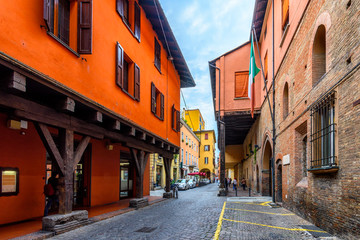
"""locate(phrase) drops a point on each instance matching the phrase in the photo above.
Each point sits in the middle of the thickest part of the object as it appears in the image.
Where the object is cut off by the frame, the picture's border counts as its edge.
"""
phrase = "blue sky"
(204, 30)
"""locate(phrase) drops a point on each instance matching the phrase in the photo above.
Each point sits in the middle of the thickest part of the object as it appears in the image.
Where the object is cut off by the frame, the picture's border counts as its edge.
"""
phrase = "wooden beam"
(16, 81)
(140, 135)
(67, 105)
(115, 125)
(80, 150)
(150, 139)
(167, 165)
(95, 117)
(50, 145)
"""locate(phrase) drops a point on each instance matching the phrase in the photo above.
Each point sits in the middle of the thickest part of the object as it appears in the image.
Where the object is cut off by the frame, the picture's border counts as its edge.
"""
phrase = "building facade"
(75, 91)
(158, 173)
(207, 161)
(189, 150)
(315, 57)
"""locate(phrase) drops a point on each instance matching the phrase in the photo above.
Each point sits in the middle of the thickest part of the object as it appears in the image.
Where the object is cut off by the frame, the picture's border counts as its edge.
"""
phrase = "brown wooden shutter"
(85, 26)
(285, 11)
(137, 21)
(48, 15)
(178, 121)
(153, 98)
(64, 21)
(137, 83)
(241, 84)
(119, 65)
(162, 106)
(120, 7)
(173, 117)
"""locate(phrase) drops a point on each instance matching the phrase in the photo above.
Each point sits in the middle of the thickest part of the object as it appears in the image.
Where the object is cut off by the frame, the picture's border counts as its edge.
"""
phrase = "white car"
(182, 184)
(191, 183)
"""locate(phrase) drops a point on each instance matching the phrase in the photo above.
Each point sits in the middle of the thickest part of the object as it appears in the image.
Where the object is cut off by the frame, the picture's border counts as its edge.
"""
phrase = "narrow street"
(200, 214)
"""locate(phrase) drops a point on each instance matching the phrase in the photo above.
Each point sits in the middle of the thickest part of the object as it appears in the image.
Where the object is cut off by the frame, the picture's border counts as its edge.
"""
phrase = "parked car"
(205, 181)
(191, 183)
(182, 184)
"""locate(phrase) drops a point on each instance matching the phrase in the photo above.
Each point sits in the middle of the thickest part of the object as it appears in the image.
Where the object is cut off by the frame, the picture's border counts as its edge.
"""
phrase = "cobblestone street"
(200, 214)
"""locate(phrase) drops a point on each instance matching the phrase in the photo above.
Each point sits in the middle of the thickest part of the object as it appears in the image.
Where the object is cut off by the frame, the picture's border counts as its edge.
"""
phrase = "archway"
(279, 181)
(266, 189)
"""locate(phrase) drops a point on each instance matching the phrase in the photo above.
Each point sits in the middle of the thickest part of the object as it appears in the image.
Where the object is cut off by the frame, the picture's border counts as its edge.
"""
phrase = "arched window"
(319, 55)
(286, 101)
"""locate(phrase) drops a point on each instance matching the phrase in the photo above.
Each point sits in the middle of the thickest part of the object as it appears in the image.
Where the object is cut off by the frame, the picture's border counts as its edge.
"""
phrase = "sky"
(204, 30)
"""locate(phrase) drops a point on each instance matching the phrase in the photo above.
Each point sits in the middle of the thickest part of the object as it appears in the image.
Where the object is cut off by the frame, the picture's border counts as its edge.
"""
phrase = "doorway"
(279, 182)
(126, 179)
(266, 181)
(257, 179)
(82, 180)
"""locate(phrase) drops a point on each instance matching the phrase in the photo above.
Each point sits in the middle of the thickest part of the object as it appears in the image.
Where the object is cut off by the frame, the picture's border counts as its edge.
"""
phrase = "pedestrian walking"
(234, 184)
(243, 183)
(51, 193)
(226, 184)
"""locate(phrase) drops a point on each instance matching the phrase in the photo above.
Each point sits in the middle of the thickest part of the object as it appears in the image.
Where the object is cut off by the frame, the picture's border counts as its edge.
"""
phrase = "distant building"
(207, 153)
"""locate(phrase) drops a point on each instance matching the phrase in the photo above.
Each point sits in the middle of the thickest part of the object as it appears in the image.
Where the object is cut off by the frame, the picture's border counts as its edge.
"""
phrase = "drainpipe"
(273, 92)
(221, 140)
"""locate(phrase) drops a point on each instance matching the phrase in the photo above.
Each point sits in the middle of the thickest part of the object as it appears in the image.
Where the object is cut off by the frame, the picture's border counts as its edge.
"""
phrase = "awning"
(197, 173)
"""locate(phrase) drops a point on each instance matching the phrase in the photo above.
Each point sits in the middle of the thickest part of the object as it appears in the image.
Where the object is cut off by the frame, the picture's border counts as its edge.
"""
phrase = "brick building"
(317, 111)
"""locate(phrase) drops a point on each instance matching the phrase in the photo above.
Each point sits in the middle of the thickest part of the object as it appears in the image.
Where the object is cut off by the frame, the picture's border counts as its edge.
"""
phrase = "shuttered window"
(241, 84)
(157, 102)
(85, 26)
(157, 60)
(137, 21)
(285, 13)
(120, 7)
(60, 15)
(127, 74)
(266, 65)
(175, 119)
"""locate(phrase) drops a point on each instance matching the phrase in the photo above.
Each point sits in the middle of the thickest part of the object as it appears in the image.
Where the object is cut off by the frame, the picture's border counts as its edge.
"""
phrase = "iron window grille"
(323, 129)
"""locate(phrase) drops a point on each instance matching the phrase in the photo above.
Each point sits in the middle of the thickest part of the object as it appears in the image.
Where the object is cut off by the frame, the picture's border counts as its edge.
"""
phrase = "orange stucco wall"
(94, 76)
(26, 153)
(236, 61)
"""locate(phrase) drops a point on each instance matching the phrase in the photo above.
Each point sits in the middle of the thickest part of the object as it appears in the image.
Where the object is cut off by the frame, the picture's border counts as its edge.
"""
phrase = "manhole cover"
(146, 229)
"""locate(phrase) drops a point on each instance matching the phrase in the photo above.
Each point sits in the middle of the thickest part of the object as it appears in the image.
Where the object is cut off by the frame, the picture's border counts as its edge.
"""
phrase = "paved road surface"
(200, 214)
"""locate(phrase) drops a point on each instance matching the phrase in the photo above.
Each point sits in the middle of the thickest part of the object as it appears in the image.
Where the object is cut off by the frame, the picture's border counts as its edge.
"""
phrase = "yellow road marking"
(280, 214)
(283, 228)
(265, 203)
(259, 204)
(218, 229)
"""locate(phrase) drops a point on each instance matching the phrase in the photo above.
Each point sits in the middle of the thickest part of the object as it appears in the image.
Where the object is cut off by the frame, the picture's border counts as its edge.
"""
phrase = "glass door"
(126, 182)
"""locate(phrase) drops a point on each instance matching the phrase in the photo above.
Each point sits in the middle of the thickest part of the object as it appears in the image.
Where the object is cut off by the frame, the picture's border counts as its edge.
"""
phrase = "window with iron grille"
(323, 130)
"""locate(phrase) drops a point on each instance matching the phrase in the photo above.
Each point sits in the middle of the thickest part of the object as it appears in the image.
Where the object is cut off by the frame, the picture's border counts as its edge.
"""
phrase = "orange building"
(78, 79)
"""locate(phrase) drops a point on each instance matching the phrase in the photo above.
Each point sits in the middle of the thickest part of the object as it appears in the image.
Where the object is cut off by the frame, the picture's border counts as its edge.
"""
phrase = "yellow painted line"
(283, 228)
(280, 214)
(218, 229)
(265, 203)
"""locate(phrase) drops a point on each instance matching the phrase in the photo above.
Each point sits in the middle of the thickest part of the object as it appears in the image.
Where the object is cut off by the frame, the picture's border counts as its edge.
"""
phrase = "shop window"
(157, 60)
(130, 12)
(323, 133)
(127, 74)
(319, 55)
(9, 181)
(175, 119)
(241, 84)
(157, 102)
(59, 19)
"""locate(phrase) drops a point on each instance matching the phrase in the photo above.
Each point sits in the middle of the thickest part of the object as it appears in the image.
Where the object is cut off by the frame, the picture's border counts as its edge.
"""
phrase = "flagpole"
(262, 70)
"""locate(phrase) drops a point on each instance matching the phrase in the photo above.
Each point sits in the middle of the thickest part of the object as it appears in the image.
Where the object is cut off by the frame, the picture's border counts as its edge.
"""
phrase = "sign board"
(286, 159)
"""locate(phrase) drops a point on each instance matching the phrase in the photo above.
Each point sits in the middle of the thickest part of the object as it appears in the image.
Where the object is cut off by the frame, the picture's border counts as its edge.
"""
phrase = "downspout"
(273, 92)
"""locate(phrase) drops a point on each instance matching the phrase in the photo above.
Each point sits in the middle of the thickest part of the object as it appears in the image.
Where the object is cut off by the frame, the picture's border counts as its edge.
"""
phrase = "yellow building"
(207, 153)
(194, 119)
(189, 150)
(157, 171)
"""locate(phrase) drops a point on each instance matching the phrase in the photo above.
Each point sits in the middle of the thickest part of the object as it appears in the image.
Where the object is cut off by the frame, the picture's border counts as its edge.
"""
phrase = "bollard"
(236, 191)
(249, 191)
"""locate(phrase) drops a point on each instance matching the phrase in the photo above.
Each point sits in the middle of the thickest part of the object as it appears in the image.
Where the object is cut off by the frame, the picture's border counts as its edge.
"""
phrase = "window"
(319, 55)
(186, 141)
(186, 158)
(127, 74)
(323, 133)
(207, 148)
(157, 60)
(241, 84)
(9, 181)
(60, 18)
(285, 13)
(130, 13)
(206, 160)
(157, 102)
(175, 119)
(206, 136)
(182, 136)
(286, 101)
(266, 66)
